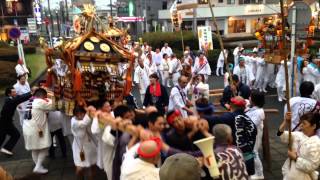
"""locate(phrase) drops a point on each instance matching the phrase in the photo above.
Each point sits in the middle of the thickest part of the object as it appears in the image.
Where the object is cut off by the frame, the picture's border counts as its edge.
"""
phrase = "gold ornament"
(94, 39)
(105, 47)
(88, 46)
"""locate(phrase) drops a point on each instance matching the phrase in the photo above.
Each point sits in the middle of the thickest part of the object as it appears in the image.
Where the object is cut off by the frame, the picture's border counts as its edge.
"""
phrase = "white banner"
(205, 38)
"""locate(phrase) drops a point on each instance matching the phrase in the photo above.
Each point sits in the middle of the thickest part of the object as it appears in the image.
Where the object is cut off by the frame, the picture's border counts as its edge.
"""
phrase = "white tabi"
(83, 141)
(308, 153)
(174, 68)
(312, 74)
(257, 115)
(316, 92)
(141, 77)
(202, 69)
(21, 69)
(166, 50)
(105, 149)
(164, 69)
(37, 123)
(245, 75)
(260, 75)
(300, 106)
(220, 63)
(178, 100)
(22, 89)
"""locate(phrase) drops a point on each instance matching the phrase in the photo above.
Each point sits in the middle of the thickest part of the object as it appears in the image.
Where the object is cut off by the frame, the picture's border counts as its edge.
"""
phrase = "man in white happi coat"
(150, 63)
(244, 73)
(164, 69)
(313, 72)
(157, 58)
(35, 129)
(166, 49)
(141, 77)
(22, 86)
(21, 69)
(303, 104)
(201, 66)
(178, 97)
(174, 69)
(236, 53)
(105, 145)
(220, 63)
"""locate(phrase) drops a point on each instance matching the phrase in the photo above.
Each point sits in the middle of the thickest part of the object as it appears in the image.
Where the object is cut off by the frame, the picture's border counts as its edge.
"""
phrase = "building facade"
(234, 17)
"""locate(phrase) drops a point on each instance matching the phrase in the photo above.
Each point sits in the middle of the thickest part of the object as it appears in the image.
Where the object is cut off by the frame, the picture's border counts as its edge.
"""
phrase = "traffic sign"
(32, 25)
(14, 33)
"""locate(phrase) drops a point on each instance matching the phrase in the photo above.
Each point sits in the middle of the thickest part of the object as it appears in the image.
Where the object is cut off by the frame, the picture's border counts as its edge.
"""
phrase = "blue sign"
(14, 33)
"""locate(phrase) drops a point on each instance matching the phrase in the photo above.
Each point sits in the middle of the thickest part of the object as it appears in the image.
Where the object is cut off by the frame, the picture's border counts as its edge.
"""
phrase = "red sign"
(46, 21)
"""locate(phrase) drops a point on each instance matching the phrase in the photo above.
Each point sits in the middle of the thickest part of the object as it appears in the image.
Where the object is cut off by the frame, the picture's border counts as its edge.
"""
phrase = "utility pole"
(111, 8)
(67, 25)
(51, 18)
(58, 22)
(146, 17)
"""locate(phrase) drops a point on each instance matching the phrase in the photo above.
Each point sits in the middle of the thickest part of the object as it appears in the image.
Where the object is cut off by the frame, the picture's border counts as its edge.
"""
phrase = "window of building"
(236, 26)
(220, 1)
(250, 1)
(230, 1)
(164, 5)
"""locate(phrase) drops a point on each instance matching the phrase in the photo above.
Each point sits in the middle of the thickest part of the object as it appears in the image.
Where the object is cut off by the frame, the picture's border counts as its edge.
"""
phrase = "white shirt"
(175, 66)
(316, 92)
(38, 122)
(257, 115)
(176, 101)
(248, 75)
(312, 74)
(166, 50)
(300, 106)
(141, 77)
(201, 69)
(22, 89)
(308, 161)
(157, 58)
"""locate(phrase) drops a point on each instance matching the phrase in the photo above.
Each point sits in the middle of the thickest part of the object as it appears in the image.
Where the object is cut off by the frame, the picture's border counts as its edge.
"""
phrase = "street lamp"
(58, 22)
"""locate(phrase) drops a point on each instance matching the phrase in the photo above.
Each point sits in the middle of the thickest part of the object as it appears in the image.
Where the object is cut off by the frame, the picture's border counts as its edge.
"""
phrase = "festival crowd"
(153, 139)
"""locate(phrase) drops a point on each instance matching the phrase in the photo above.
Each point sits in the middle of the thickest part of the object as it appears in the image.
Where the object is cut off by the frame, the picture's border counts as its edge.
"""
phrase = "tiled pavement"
(63, 169)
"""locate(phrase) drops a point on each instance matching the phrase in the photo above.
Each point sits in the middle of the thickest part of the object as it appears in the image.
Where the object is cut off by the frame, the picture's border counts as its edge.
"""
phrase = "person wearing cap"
(201, 66)
(313, 72)
(141, 77)
(220, 63)
(144, 166)
(175, 68)
(227, 75)
(21, 69)
(166, 49)
(180, 166)
(281, 81)
(237, 88)
(156, 95)
(244, 73)
(178, 97)
(244, 131)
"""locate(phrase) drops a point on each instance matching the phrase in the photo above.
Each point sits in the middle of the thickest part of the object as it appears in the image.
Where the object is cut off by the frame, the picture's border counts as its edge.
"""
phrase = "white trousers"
(38, 157)
(258, 167)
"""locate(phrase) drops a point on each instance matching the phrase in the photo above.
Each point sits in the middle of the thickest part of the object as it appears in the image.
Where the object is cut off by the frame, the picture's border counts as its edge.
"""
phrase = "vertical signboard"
(205, 38)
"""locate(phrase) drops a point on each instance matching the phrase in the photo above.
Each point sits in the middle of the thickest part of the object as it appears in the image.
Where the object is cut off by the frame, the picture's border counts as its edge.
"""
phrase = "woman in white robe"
(84, 144)
(35, 128)
(256, 114)
(22, 86)
(305, 153)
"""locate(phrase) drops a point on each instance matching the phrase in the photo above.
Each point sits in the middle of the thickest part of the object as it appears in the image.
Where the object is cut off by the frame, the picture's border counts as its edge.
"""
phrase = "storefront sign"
(37, 11)
(205, 38)
(32, 25)
(130, 19)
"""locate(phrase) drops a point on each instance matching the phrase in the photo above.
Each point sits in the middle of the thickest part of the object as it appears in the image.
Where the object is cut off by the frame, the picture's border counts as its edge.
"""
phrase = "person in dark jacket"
(12, 100)
(156, 95)
(235, 89)
(244, 131)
